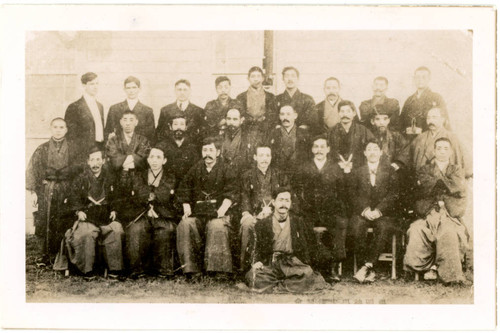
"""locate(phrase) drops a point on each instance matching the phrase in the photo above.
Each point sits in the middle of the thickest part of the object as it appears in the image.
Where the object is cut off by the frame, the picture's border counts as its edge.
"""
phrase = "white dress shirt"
(372, 167)
(183, 105)
(94, 110)
(319, 164)
(442, 165)
(132, 103)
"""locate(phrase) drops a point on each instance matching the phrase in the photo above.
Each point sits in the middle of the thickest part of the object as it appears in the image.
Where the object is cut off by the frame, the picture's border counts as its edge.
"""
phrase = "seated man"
(373, 191)
(206, 194)
(151, 235)
(320, 189)
(284, 249)
(437, 242)
(258, 185)
(92, 199)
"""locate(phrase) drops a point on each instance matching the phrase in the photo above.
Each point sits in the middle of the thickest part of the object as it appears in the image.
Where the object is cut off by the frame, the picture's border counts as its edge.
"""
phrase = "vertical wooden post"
(268, 60)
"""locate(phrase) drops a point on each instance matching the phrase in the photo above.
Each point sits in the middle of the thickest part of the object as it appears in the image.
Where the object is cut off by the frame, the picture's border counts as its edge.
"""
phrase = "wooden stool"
(386, 256)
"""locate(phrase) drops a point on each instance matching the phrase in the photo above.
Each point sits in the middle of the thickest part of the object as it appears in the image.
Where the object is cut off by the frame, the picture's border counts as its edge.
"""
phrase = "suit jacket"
(251, 201)
(81, 126)
(194, 117)
(303, 244)
(302, 103)
(393, 144)
(302, 148)
(271, 113)
(359, 135)
(321, 193)
(146, 126)
(448, 186)
(382, 196)
(117, 150)
(390, 104)
(179, 159)
(417, 108)
(214, 113)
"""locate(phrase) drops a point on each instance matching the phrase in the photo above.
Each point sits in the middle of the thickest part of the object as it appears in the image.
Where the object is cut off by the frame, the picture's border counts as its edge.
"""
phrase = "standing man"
(215, 111)
(259, 106)
(326, 113)
(438, 240)
(390, 105)
(206, 194)
(321, 192)
(302, 103)
(145, 116)
(92, 199)
(50, 171)
(181, 153)
(194, 114)
(258, 185)
(284, 250)
(414, 113)
(347, 138)
(289, 142)
(373, 192)
(85, 117)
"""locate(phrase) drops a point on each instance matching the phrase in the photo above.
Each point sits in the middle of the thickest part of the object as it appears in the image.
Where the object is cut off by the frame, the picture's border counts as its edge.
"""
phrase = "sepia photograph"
(264, 165)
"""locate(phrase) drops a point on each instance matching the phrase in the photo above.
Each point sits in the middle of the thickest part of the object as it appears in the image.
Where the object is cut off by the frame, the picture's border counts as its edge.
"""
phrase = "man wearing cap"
(85, 117)
(145, 117)
(390, 105)
(302, 103)
(215, 111)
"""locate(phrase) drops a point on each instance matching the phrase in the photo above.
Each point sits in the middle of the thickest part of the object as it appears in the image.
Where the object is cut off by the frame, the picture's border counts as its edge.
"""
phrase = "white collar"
(89, 98)
(442, 165)
(319, 164)
(373, 166)
(183, 105)
(132, 103)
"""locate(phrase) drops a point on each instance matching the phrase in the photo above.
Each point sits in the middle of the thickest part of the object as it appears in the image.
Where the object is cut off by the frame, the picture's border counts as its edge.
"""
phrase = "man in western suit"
(146, 125)
(85, 117)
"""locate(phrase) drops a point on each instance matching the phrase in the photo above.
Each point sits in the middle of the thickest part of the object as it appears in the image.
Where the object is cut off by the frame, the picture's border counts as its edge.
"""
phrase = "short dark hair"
(331, 78)
(211, 140)
(57, 119)
(290, 105)
(132, 79)
(345, 102)
(423, 68)
(95, 149)
(255, 69)
(183, 81)
(381, 78)
(370, 141)
(442, 139)
(321, 137)
(159, 147)
(127, 113)
(221, 79)
(290, 68)
(262, 145)
(177, 115)
(87, 77)
(281, 189)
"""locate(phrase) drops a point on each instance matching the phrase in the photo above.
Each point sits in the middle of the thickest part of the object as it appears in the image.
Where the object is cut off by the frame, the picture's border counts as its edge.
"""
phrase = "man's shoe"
(430, 275)
(335, 276)
(362, 274)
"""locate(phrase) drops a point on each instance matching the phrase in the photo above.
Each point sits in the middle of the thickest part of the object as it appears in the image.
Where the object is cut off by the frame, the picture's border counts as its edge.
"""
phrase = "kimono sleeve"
(245, 193)
(184, 191)
(141, 153)
(116, 158)
(34, 172)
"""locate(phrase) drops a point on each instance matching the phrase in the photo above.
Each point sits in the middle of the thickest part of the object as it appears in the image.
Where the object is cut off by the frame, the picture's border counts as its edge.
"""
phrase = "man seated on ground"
(284, 249)
(92, 198)
(373, 191)
(320, 188)
(258, 185)
(437, 242)
(151, 235)
(206, 194)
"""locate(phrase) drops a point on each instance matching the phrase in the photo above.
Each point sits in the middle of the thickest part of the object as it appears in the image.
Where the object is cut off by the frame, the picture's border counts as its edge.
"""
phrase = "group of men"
(261, 188)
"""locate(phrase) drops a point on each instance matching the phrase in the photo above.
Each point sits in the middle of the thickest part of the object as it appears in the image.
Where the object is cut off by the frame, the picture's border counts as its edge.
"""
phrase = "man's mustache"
(332, 95)
(345, 118)
(208, 158)
(286, 121)
(285, 207)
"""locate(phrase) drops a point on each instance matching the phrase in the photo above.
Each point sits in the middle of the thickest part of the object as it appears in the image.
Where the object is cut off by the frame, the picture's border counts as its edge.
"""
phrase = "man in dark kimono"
(348, 138)
(215, 111)
(85, 117)
(127, 150)
(180, 151)
(50, 171)
(326, 113)
(302, 103)
(373, 190)
(258, 185)
(412, 120)
(380, 100)
(284, 249)
(206, 194)
(438, 240)
(92, 199)
(237, 145)
(193, 113)
(151, 234)
(145, 116)
(320, 188)
(259, 106)
(289, 142)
